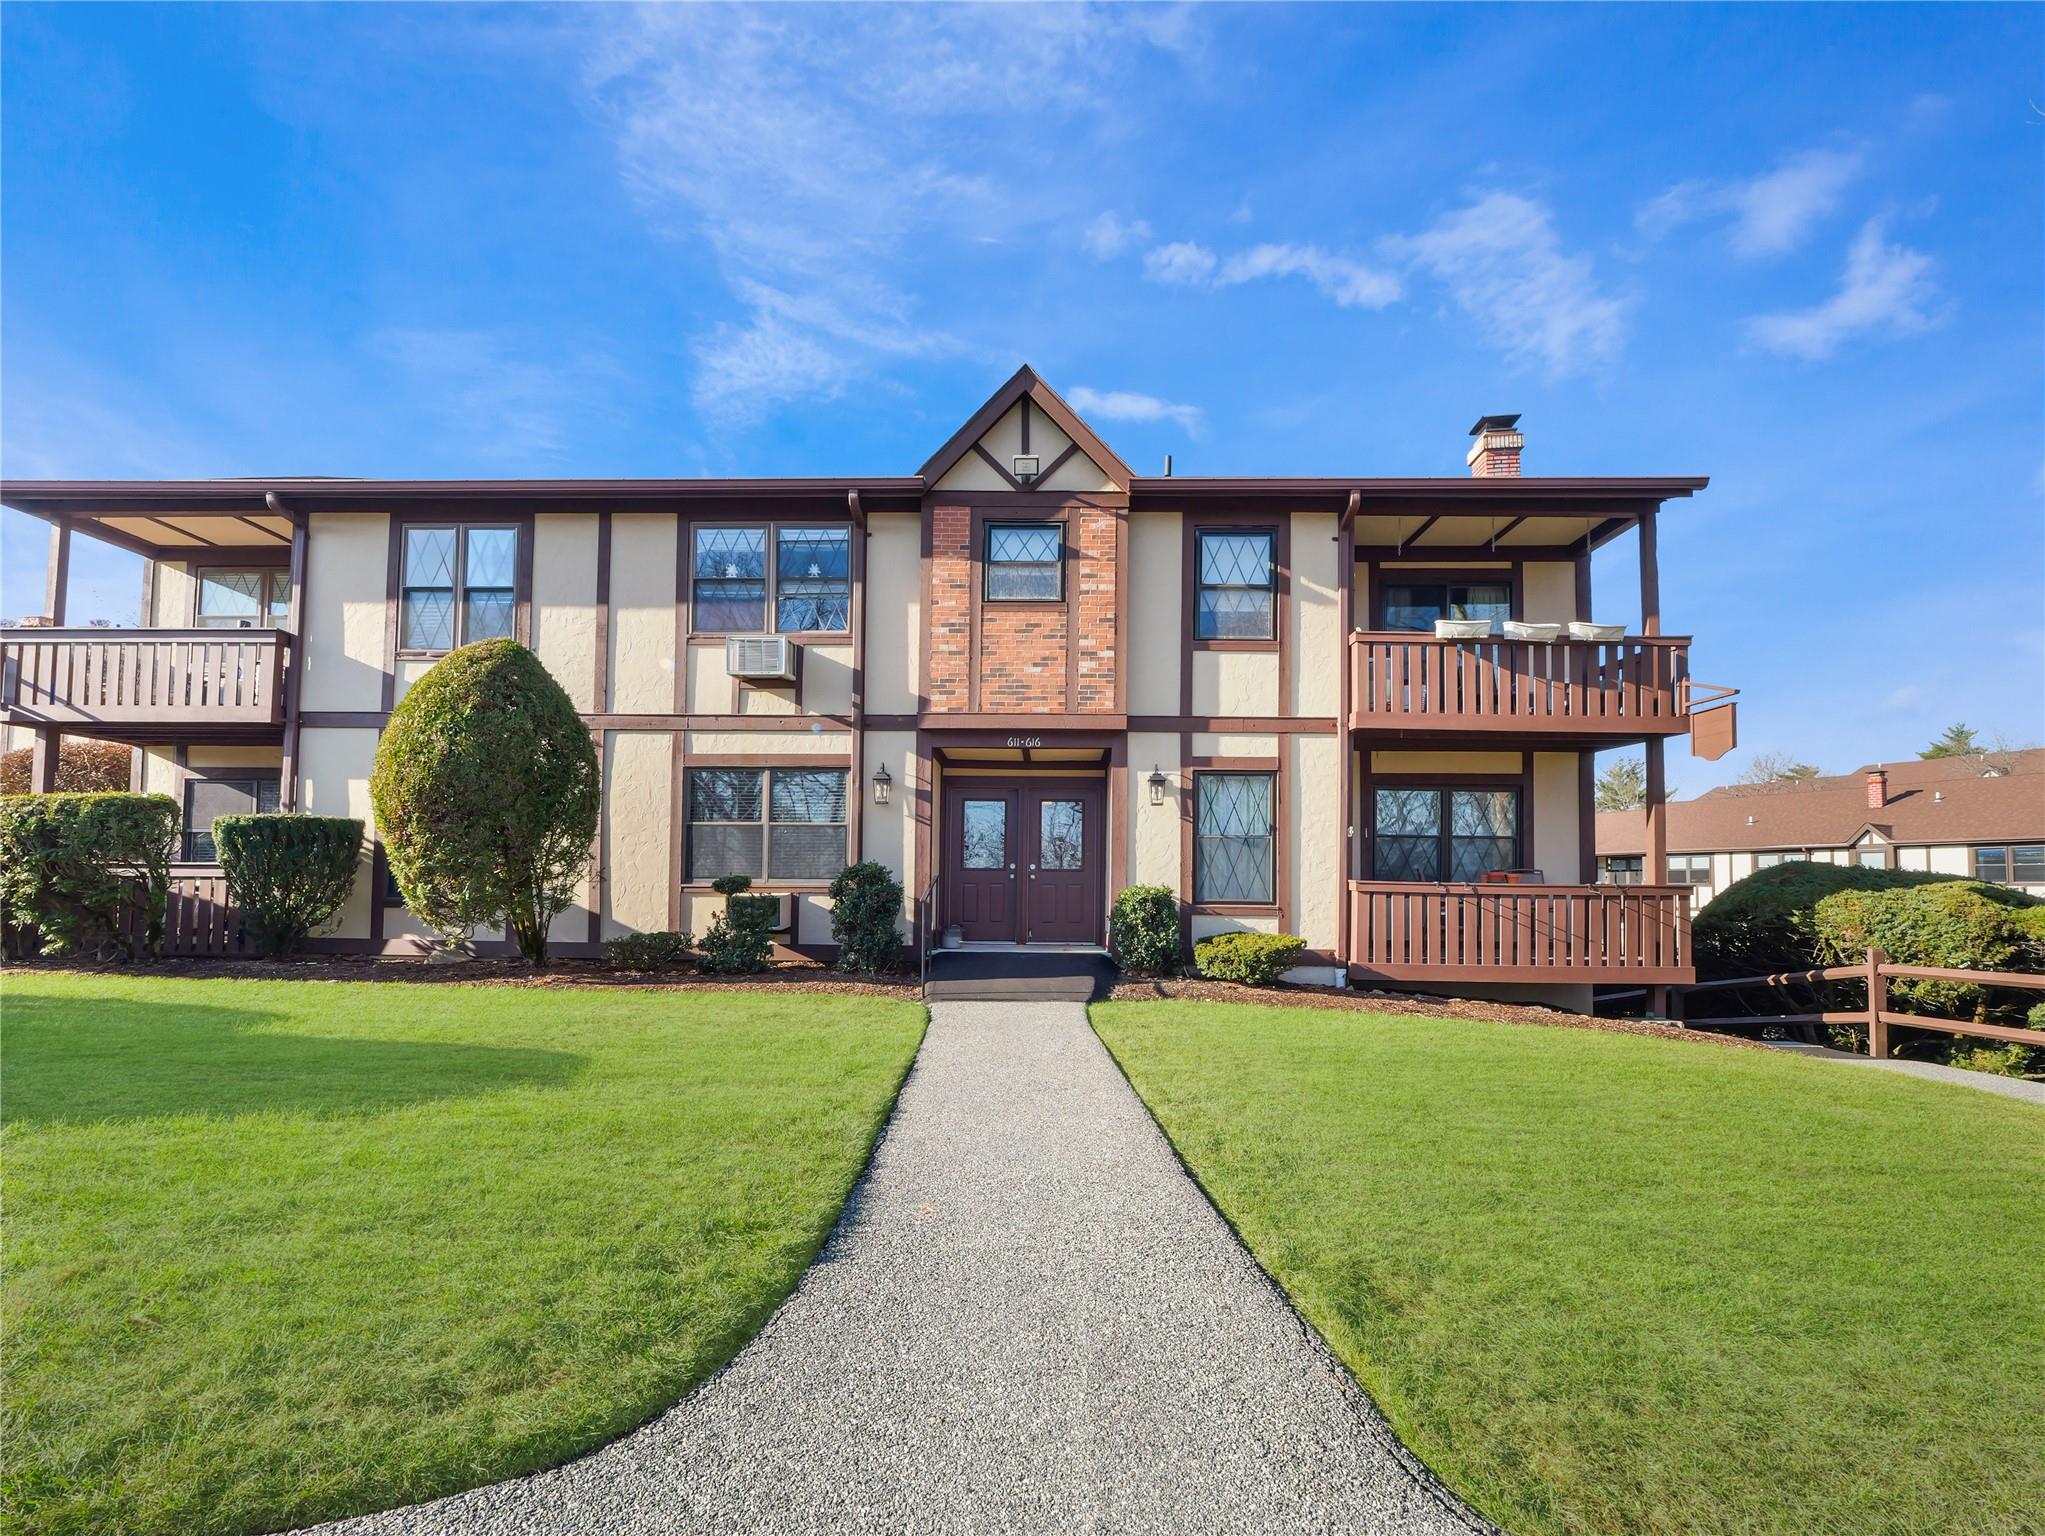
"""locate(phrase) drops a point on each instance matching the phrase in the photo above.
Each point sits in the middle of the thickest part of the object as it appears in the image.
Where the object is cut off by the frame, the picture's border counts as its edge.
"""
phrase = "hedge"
(84, 767)
(650, 951)
(1767, 922)
(88, 873)
(866, 902)
(1255, 959)
(288, 874)
(1143, 926)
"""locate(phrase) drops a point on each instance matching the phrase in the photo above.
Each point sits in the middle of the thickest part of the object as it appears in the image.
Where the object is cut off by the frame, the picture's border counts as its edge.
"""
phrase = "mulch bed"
(1357, 1000)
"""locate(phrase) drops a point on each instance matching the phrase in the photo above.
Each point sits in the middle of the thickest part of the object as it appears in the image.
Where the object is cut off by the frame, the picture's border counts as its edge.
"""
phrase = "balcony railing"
(1630, 687)
(1558, 933)
(126, 679)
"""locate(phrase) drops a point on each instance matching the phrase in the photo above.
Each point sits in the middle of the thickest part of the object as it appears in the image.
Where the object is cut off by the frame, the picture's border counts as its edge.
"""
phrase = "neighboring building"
(1022, 677)
(1982, 816)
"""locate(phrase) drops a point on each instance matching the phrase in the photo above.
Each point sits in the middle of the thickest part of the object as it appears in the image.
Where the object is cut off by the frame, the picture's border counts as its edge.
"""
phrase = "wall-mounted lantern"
(882, 783)
(1157, 782)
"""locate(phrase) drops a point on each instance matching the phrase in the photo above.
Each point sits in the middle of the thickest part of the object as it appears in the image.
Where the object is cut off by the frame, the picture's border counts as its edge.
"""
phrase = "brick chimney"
(1496, 450)
(1877, 789)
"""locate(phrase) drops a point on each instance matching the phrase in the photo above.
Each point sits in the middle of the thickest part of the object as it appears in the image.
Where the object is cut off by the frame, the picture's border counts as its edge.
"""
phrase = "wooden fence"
(1876, 1016)
(1421, 931)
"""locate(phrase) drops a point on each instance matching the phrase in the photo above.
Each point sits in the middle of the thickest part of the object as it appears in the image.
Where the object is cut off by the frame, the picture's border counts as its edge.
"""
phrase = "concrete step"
(1018, 975)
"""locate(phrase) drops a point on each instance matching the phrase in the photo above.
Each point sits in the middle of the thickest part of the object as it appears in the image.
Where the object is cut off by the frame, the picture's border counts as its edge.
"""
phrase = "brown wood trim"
(344, 719)
(603, 821)
(294, 673)
(1650, 577)
(525, 533)
(855, 809)
(379, 882)
(677, 777)
(1060, 725)
(995, 464)
(1345, 605)
(1582, 566)
(600, 690)
(768, 760)
(920, 772)
(393, 576)
(1587, 818)
(1119, 815)
(1450, 554)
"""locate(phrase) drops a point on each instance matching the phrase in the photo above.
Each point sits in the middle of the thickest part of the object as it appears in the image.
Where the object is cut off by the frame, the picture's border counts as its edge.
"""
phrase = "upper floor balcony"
(142, 685)
(1601, 691)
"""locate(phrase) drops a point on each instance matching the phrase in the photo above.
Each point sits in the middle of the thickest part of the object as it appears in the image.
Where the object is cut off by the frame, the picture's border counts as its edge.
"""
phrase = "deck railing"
(1630, 686)
(1559, 933)
(127, 677)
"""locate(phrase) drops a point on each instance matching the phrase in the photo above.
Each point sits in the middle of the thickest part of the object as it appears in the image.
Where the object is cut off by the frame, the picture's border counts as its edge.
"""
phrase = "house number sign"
(1025, 741)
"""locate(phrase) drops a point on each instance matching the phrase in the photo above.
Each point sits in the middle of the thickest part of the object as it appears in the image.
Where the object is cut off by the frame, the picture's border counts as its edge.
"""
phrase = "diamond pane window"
(1025, 563)
(812, 580)
(488, 555)
(481, 563)
(243, 599)
(1238, 598)
(1232, 837)
(429, 589)
(730, 586)
(1445, 834)
(1408, 834)
(1061, 834)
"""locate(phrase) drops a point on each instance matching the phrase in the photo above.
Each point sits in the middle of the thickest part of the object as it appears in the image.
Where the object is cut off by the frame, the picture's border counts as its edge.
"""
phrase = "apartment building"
(1022, 676)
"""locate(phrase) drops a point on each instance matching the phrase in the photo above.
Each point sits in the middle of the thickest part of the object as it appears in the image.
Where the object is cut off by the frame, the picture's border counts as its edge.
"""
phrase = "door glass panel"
(1061, 834)
(986, 834)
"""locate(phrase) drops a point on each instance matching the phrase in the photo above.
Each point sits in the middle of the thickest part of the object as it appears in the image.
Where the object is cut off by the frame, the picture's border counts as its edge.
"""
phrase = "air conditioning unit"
(768, 659)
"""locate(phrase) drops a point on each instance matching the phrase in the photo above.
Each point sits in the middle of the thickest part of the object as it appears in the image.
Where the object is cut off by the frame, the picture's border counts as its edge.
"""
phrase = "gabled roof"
(1025, 383)
(1929, 801)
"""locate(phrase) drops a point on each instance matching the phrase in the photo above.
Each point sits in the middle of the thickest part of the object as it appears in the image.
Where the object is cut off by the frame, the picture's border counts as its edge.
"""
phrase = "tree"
(486, 795)
(1623, 786)
(1957, 741)
(1776, 768)
(84, 767)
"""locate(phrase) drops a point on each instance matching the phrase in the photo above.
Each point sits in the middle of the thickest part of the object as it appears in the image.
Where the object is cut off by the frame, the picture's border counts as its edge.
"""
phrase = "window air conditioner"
(760, 658)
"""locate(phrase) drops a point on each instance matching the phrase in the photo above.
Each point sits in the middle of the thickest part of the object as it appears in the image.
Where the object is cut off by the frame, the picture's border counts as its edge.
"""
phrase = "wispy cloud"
(1771, 213)
(1505, 267)
(816, 178)
(1886, 291)
(1126, 405)
(1349, 283)
(1109, 235)
(496, 400)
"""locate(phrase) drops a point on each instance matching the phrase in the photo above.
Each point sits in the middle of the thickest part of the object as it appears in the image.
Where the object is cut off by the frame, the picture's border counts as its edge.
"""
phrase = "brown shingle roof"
(1939, 800)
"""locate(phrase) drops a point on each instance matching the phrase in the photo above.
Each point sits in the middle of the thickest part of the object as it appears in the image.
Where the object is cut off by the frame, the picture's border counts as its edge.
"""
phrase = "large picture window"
(1025, 563)
(1233, 843)
(458, 586)
(776, 824)
(1445, 834)
(1238, 592)
(258, 599)
(807, 586)
(2018, 864)
(206, 800)
(1415, 605)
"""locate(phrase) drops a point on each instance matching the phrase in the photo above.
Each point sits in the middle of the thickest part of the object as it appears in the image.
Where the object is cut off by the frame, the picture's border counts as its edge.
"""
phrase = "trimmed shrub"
(866, 902)
(650, 951)
(84, 767)
(1143, 927)
(88, 873)
(1255, 959)
(1768, 922)
(486, 794)
(741, 937)
(288, 874)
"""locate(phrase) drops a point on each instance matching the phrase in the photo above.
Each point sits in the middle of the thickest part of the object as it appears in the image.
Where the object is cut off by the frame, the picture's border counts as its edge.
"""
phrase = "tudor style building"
(1022, 677)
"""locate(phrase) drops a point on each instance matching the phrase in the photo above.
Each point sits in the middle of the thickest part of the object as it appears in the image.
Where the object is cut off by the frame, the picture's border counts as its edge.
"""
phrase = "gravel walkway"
(1932, 1071)
(1029, 1319)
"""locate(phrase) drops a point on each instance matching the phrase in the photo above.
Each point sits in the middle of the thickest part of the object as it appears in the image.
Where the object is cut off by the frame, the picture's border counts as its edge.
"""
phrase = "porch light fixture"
(882, 783)
(1157, 786)
(1025, 466)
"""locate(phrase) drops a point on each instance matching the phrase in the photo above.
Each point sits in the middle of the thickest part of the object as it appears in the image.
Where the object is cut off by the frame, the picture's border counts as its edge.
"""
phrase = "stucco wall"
(1235, 683)
(333, 780)
(638, 827)
(894, 612)
(564, 602)
(1316, 619)
(642, 633)
(1156, 576)
(1550, 596)
(1153, 829)
(347, 560)
(1554, 848)
(1315, 863)
(765, 744)
(1445, 762)
(887, 833)
(171, 597)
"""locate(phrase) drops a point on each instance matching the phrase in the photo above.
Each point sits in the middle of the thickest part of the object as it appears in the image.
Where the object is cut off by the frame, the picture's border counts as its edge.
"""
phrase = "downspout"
(1345, 539)
(294, 668)
(855, 789)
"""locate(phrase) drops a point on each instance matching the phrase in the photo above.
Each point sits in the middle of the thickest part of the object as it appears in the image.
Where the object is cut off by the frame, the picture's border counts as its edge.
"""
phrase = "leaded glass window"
(243, 599)
(1025, 562)
(780, 824)
(1442, 834)
(480, 564)
(1238, 598)
(730, 588)
(1232, 837)
(1483, 832)
(1408, 834)
(812, 580)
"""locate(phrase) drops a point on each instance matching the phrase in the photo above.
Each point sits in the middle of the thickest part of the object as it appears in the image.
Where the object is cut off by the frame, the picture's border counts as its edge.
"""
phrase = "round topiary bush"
(1143, 926)
(288, 874)
(1254, 959)
(84, 767)
(486, 793)
(866, 901)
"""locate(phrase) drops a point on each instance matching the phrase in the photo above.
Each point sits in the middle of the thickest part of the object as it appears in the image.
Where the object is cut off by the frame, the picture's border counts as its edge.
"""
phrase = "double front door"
(1023, 860)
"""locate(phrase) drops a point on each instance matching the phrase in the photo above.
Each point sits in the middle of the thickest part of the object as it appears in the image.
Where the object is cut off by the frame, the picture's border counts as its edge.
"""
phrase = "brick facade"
(951, 607)
(1093, 588)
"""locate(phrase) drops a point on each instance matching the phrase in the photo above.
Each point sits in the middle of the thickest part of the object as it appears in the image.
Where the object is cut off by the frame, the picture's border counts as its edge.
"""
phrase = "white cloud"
(1771, 213)
(1125, 405)
(1351, 284)
(1108, 236)
(494, 399)
(1505, 267)
(1886, 290)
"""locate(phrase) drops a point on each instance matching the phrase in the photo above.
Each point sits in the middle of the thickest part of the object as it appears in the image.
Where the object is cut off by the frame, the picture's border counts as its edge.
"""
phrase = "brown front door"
(1024, 860)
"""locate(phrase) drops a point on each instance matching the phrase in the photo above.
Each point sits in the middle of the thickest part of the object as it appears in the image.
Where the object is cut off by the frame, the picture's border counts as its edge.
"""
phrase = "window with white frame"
(806, 586)
(255, 599)
(1770, 860)
(776, 824)
(1236, 574)
(2011, 864)
(1689, 869)
(1871, 856)
(1234, 847)
(458, 585)
(1025, 563)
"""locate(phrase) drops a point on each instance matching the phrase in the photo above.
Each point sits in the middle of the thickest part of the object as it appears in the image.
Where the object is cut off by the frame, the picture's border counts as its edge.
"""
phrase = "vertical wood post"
(1877, 1004)
(1658, 1001)
(1656, 869)
(1675, 1011)
(1650, 577)
(57, 582)
(42, 764)
(294, 665)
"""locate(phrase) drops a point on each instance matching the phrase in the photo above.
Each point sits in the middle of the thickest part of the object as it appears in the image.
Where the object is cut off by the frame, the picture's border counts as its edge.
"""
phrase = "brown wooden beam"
(57, 580)
(1650, 578)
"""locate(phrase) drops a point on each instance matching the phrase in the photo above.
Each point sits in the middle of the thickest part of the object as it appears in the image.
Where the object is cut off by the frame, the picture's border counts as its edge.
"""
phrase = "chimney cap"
(1495, 424)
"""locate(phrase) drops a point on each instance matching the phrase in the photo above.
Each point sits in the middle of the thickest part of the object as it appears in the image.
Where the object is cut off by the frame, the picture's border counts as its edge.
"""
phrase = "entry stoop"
(1019, 975)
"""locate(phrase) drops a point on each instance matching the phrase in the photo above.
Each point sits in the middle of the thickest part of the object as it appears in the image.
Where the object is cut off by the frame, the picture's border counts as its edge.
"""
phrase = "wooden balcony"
(1604, 691)
(1520, 933)
(145, 685)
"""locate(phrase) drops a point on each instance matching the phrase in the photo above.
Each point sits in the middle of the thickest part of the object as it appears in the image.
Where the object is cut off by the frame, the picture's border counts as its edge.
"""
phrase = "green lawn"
(277, 1251)
(1610, 1284)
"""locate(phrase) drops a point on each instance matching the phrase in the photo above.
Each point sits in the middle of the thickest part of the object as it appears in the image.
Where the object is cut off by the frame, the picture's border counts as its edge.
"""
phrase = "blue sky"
(1799, 250)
